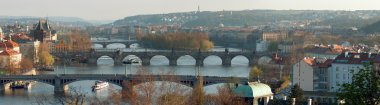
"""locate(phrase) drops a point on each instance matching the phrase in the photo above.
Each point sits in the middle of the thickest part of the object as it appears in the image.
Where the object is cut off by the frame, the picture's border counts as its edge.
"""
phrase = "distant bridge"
(104, 43)
(61, 81)
(172, 55)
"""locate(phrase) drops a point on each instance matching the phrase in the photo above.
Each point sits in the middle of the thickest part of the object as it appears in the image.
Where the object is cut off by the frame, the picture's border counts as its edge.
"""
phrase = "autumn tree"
(44, 56)
(190, 41)
(284, 83)
(364, 89)
(79, 41)
(254, 73)
(198, 94)
(225, 96)
(26, 63)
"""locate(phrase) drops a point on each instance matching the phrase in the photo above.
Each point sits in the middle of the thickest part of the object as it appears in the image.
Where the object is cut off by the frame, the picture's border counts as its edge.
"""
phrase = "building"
(329, 52)
(346, 65)
(254, 92)
(312, 74)
(261, 46)
(10, 58)
(275, 35)
(43, 32)
(30, 49)
(1, 33)
(61, 46)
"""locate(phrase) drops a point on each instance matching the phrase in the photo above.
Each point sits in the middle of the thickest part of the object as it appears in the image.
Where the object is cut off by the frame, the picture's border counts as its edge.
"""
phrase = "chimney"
(346, 54)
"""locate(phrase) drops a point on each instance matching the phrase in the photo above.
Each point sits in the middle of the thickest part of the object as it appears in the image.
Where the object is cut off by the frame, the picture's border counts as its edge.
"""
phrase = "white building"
(10, 58)
(345, 66)
(261, 46)
(254, 93)
(30, 49)
(311, 74)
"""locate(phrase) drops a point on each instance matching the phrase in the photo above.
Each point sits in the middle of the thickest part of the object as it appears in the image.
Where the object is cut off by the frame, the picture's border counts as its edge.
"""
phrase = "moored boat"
(99, 85)
(20, 85)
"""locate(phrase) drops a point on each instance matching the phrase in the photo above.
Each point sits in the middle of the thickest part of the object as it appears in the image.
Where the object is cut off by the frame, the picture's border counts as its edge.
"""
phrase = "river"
(212, 67)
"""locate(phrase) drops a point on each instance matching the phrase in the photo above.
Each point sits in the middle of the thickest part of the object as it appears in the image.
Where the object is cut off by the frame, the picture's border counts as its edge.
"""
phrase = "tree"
(273, 46)
(45, 58)
(297, 92)
(364, 89)
(198, 94)
(26, 63)
(254, 73)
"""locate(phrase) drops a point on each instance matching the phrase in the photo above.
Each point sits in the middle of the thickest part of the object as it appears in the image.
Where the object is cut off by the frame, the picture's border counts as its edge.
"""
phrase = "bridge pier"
(2, 88)
(92, 61)
(118, 62)
(104, 45)
(226, 61)
(172, 62)
(251, 62)
(199, 63)
(59, 88)
(145, 61)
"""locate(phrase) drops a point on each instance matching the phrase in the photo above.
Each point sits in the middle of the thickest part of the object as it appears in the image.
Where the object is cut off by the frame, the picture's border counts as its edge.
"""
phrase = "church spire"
(47, 24)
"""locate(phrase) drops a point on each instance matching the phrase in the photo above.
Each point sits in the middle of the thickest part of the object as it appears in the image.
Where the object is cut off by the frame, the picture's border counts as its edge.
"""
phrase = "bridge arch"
(112, 81)
(45, 81)
(96, 45)
(159, 60)
(181, 84)
(116, 45)
(106, 60)
(186, 60)
(135, 57)
(212, 60)
(240, 60)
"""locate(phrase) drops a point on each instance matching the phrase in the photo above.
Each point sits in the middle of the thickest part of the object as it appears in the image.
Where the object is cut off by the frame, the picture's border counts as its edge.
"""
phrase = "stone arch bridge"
(172, 56)
(61, 81)
(104, 43)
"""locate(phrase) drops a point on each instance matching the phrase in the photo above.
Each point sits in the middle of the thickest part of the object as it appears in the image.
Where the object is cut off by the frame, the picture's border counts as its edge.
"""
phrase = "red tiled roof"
(11, 44)
(355, 58)
(9, 52)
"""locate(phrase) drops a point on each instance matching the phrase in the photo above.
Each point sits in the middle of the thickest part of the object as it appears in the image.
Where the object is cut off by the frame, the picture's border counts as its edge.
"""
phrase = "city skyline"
(118, 9)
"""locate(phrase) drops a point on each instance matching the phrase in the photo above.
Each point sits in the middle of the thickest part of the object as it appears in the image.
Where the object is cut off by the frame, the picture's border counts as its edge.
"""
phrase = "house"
(311, 74)
(10, 58)
(346, 65)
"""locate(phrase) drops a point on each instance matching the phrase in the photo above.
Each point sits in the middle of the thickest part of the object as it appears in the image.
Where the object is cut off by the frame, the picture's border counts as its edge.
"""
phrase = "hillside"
(372, 28)
(339, 19)
(74, 21)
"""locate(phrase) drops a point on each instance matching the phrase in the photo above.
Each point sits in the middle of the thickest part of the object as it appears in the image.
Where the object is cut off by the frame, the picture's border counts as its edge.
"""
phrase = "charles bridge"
(61, 81)
(172, 55)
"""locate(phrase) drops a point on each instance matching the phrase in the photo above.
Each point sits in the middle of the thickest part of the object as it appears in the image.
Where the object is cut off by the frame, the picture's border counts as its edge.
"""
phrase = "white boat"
(99, 85)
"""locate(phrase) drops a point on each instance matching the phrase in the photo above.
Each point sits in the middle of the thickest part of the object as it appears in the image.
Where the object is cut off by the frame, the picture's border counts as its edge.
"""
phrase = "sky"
(118, 9)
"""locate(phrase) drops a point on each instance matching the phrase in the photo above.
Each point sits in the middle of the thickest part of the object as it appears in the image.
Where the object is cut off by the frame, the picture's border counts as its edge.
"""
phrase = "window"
(337, 69)
(337, 76)
(344, 76)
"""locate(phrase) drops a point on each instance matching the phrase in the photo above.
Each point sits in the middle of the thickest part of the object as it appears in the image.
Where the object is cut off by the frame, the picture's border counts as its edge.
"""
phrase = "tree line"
(188, 41)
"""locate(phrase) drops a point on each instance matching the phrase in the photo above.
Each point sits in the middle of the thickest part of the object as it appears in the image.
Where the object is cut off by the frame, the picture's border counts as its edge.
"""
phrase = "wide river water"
(212, 67)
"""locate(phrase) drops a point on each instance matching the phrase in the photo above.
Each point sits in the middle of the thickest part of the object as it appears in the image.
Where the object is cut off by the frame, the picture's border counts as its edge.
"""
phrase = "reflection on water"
(212, 67)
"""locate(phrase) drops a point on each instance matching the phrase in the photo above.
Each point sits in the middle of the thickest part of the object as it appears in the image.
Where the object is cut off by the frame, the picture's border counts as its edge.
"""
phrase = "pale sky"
(117, 9)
